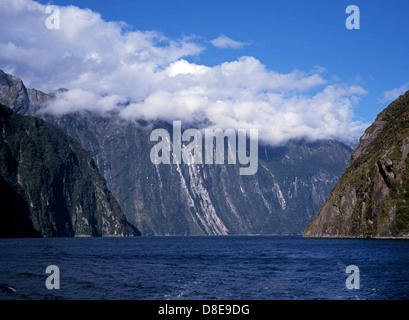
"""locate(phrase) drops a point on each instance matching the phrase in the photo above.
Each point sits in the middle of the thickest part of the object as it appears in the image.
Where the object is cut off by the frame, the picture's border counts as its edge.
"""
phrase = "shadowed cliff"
(49, 186)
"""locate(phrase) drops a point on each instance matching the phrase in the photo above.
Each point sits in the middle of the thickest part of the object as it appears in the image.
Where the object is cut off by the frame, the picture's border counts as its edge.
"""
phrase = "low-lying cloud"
(106, 65)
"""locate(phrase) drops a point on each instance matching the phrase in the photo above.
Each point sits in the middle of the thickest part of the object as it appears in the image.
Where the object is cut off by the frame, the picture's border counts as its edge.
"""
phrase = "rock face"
(49, 186)
(291, 184)
(372, 197)
(15, 95)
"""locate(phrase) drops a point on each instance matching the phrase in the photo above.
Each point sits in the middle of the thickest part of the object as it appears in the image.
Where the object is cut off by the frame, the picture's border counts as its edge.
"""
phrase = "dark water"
(238, 267)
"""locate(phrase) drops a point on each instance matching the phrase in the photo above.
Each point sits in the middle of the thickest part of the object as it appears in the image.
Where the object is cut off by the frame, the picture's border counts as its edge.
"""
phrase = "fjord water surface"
(204, 267)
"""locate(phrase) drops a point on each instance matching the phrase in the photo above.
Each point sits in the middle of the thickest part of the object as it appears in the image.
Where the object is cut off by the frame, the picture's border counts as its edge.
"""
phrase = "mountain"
(49, 186)
(291, 184)
(371, 200)
(15, 95)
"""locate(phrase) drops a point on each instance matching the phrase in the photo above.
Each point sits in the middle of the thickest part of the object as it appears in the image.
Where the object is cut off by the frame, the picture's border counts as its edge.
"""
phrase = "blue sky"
(286, 35)
(290, 68)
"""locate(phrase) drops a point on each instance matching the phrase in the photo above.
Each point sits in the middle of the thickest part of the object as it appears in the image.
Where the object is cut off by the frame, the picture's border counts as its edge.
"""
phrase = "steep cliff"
(372, 197)
(291, 183)
(15, 95)
(49, 186)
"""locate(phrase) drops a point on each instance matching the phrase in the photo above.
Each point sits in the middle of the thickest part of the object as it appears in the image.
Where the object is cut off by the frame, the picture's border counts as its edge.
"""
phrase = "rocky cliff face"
(372, 197)
(15, 95)
(49, 186)
(291, 184)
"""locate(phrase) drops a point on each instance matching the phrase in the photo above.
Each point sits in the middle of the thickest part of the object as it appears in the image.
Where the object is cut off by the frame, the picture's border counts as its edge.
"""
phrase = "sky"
(290, 68)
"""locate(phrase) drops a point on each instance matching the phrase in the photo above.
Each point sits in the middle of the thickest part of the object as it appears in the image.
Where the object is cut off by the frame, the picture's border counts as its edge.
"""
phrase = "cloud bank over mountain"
(108, 64)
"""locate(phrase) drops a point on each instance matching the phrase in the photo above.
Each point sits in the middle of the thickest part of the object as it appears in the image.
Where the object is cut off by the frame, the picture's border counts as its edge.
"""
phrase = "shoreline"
(358, 237)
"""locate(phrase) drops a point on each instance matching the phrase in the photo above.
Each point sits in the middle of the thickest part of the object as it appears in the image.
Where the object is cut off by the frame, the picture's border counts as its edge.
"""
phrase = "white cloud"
(393, 94)
(184, 67)
(104, 66)
(223, 42)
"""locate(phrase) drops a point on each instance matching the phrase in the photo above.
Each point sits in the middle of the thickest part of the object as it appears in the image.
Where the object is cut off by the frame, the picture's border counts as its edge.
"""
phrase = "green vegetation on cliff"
(49, 186)
(372, 197)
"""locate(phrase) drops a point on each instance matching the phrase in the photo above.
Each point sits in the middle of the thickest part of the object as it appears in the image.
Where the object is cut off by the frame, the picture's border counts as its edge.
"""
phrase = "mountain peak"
(23, 100)
(13, 93)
